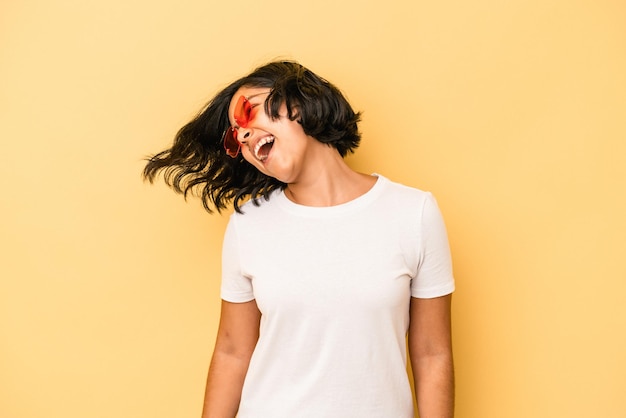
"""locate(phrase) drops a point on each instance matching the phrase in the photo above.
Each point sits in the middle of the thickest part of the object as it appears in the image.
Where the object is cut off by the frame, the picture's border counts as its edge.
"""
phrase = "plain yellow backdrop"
(512, 113)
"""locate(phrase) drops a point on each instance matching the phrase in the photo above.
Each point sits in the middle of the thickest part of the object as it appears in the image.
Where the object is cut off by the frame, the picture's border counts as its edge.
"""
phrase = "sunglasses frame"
(243, 116)
(243, 111)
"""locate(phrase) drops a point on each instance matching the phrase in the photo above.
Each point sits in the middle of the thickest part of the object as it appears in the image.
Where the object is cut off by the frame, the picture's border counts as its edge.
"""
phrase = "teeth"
(262, 141)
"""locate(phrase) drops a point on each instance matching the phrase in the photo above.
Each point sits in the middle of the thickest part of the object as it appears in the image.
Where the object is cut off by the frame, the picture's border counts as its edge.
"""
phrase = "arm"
(237, 336)
(430, 347)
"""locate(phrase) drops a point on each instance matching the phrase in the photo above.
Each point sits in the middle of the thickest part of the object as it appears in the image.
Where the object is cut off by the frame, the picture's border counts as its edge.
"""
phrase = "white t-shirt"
(333, 285)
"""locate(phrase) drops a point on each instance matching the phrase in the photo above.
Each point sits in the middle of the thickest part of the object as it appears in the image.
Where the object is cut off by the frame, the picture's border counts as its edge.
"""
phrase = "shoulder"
(401, 194)
(258, 212)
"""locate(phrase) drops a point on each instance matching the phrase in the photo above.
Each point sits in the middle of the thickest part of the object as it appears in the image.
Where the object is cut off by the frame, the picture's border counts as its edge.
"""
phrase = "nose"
(243, 134)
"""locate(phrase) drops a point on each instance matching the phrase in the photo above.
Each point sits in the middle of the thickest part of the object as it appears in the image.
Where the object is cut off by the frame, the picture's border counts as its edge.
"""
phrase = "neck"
(332, 184)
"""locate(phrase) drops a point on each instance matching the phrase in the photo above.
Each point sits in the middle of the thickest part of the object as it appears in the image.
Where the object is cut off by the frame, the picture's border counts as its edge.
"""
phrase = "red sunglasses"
(243, 116)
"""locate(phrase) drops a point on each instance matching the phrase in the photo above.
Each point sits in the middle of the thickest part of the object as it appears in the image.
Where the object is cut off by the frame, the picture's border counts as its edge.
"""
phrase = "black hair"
(197, 161)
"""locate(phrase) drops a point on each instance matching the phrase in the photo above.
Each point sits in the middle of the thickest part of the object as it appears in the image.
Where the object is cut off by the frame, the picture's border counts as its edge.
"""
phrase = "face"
(278, 148)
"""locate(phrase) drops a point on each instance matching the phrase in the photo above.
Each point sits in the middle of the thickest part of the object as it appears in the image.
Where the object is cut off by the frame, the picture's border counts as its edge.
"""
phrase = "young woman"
(325, 270)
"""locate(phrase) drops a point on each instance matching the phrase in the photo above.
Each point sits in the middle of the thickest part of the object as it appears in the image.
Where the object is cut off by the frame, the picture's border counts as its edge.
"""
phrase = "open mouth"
(263, 148)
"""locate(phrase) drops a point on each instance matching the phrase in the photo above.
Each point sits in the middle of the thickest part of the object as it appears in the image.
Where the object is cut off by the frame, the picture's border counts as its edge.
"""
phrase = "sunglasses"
(243, 116)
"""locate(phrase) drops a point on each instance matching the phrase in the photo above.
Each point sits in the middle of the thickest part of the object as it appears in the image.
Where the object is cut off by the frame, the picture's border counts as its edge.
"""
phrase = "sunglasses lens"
(243, 111)
(231, 144)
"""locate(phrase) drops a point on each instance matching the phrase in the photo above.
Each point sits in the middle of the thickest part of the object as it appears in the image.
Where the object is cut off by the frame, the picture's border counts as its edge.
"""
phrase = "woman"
(324, 270)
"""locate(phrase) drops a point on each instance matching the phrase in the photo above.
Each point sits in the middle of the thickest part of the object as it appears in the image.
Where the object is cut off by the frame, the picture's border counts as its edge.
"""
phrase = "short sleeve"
(235, 286)
(434, 277)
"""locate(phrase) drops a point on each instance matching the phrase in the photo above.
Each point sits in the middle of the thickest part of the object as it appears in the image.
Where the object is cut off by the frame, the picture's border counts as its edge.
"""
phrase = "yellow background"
(512, 113)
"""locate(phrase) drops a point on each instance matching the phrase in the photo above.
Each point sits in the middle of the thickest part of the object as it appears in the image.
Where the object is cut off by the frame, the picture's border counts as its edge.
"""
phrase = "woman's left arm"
(430, 347)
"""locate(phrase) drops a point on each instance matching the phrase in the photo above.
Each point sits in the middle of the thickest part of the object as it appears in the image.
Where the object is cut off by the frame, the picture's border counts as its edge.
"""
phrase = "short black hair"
(197, 161)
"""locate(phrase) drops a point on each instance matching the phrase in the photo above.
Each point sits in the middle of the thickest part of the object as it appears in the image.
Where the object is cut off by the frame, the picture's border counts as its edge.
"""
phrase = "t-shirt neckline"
(326, 211)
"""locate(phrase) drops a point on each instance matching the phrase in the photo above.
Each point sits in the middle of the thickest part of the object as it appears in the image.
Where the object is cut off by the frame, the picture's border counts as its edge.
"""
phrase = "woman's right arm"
(237, 336)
